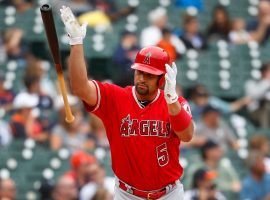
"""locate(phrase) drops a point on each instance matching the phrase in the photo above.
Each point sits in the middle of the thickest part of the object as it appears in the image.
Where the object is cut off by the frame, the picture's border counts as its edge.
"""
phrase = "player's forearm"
(77, 69)
(185, 133)
(174, 108)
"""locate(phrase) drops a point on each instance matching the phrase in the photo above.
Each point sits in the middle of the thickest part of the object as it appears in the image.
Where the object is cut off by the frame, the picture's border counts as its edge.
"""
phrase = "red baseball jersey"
(144, 148)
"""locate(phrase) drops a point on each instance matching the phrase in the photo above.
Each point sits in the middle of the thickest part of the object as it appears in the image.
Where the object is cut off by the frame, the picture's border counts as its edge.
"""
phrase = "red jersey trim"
(135, 97)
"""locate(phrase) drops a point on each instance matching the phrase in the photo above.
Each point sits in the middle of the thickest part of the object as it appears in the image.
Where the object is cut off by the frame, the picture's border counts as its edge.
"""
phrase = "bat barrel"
(48, 21)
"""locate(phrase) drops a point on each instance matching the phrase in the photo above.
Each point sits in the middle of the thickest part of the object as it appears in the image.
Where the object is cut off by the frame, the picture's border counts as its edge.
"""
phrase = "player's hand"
(75, 31)
(170, 84)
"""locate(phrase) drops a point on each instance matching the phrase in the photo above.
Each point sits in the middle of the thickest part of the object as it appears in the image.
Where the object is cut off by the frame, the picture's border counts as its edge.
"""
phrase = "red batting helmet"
(151, 60)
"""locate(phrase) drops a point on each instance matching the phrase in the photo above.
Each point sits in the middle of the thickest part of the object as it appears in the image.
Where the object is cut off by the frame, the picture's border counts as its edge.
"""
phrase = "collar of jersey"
(137, 101)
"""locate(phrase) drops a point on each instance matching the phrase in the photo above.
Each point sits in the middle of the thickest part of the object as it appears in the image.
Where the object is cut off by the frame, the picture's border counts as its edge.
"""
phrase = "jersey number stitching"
(162, 154)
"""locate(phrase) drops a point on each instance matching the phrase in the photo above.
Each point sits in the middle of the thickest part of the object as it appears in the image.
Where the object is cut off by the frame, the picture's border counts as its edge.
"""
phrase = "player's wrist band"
(180, 121)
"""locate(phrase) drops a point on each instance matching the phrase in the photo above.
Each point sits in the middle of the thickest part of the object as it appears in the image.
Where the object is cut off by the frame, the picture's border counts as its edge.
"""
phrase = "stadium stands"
(223, 68)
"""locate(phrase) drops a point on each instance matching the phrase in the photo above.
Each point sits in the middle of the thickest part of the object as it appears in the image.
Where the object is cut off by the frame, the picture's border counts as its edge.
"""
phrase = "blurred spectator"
(5, 134)
(220, 27)
(191, 36)
(212, 127)
(227, 179)
(98, 132)
(7, 189)
(83, 168)
(239, 34)
(256, 183)
(104, 12)
(260, 27)
(123, 57)
(152, 34)
(111, 9)
(102, 194)
(261, 143)
(13, 44)
(45, 102)
(6, 96)
(165, 43)
(40, 68)
(46, 189)
(200, 97)
(73, 136)
(77, 6)
(259, 91)
(199, 4)
(203, 187)
(65, 189)
(3, 55)
(23, 5)
(32, 84)
(100, 182)
(23, 122)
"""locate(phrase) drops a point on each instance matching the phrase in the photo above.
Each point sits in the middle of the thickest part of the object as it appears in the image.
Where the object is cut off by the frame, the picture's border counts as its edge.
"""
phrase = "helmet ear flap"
(161, 81)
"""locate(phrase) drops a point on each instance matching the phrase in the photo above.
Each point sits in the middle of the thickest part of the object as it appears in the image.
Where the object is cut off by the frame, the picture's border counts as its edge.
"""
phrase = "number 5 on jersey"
(162, 154)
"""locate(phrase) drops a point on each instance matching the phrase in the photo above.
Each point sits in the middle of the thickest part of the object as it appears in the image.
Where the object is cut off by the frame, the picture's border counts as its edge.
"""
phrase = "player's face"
(145, 83)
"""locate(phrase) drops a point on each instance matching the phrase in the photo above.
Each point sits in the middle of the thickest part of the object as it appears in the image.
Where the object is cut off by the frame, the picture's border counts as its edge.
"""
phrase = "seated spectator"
(6, 96)
(203, 186)
(78, 6)
(227, 179)
(260, 27)
(22, 5)
(104, 12)
(102, 194)
(212, 127)
(256, 183)
(152, 34)
(83, 168)
(238, 34)
(261, 143)
(259, 92)
(73, 136)
(123, 57)
(220, 27)
(98, 132)
(65, 189)
(191, 36)
(14, 47)
(3, 55)
(40, 69)
(5, 134)
(23, 123)
(7, 189)
(199, 4)
(32, 84)
(100, 182)
(200, 97)
(174, 51)
(110, 8)
(46, 189)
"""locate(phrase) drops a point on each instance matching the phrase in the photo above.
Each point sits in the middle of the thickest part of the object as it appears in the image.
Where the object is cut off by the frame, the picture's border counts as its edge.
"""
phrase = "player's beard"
(142, 90)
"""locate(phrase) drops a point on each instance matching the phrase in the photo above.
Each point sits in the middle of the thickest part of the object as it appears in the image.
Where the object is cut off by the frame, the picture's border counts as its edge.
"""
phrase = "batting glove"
(170, 84)
(75, 32)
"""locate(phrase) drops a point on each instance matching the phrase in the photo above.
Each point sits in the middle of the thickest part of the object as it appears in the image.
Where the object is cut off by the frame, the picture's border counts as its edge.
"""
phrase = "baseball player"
(144, 124)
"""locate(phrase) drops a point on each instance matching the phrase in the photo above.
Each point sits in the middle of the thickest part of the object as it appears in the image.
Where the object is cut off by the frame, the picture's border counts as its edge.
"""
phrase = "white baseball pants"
(176, 193)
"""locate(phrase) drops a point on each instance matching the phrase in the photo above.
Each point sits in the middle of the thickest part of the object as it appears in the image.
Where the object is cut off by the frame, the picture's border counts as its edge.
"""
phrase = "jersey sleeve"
(106, 100)
(184, 103)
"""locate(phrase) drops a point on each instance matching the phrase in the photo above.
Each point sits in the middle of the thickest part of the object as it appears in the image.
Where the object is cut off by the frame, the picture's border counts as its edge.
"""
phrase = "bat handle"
(69, 116)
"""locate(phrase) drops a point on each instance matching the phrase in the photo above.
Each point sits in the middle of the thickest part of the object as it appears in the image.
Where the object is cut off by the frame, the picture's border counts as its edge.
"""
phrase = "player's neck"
(149, 97)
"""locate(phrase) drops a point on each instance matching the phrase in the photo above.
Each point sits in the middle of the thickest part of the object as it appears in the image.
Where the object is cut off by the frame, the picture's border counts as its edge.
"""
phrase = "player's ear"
(161, 81)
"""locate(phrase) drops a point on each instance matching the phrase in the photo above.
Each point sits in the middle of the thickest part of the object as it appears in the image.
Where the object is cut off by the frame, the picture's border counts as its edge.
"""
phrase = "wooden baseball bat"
(47, 18)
